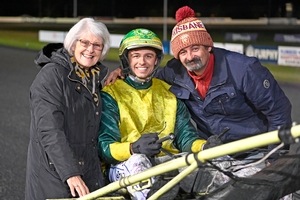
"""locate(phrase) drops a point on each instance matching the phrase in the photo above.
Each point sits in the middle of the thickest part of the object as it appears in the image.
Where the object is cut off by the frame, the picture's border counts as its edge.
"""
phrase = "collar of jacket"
(182, 77)
(220, 74)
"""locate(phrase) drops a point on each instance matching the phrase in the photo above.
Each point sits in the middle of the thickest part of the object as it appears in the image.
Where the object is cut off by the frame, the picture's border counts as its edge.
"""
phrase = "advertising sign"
(230, 46)
(294, 38)
(241, 36)
(52, 36)
(263, 53)
(289, 56)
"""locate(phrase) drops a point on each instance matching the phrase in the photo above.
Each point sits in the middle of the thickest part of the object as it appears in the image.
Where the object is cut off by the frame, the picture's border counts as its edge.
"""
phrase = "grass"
(22, 39)
(29, 40)
(285, 73)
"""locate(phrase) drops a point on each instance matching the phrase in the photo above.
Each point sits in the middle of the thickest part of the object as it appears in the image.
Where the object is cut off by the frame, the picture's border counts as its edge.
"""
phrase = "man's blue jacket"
(243, 95)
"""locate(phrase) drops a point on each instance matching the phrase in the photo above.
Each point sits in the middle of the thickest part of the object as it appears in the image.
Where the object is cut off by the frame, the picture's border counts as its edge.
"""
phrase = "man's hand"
(215, 140)
(112, 77)
(147, 144)
(212, 141)
(77, 184)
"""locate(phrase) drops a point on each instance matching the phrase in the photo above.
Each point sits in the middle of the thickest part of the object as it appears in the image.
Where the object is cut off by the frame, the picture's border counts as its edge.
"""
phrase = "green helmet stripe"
(140, 38)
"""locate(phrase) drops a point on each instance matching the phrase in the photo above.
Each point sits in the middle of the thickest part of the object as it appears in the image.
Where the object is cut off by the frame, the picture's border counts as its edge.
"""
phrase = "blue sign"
(263, 53)
(166, 46)
(241, 36)
(287, 38)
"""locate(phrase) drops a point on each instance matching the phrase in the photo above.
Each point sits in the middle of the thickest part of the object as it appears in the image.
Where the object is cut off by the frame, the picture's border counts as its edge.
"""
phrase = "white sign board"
(115, 40)
(52, 36)
(230, 46)
(289, 56)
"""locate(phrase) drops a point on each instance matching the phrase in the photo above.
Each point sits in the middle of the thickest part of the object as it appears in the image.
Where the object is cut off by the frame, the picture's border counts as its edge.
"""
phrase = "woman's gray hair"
(88, 25)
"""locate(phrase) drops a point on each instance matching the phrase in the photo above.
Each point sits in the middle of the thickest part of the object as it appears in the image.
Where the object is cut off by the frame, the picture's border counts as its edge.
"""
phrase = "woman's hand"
(76, 184)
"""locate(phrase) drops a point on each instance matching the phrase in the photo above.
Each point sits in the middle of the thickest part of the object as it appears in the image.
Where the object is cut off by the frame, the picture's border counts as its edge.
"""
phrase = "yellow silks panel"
(150, 110)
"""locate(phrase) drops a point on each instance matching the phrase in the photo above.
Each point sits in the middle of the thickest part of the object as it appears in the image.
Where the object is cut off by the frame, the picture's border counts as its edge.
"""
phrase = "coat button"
(81, 162)
(97, 113)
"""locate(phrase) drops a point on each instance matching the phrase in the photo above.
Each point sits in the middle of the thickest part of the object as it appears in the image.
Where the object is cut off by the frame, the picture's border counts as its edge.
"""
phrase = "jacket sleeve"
(265, 94)
(47, 107)
(263, 91)
(186, 136)
(111, 149)
(167, 73)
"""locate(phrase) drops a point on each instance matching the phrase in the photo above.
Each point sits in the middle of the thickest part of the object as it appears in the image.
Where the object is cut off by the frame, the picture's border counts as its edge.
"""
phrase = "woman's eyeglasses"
(86, 44)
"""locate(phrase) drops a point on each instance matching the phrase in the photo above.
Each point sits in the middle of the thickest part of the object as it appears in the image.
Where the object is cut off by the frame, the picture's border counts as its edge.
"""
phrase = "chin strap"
(126, 71)
(136, 79)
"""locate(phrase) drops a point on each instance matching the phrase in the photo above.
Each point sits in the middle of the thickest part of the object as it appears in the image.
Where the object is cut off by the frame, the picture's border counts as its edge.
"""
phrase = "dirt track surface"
(17, 71)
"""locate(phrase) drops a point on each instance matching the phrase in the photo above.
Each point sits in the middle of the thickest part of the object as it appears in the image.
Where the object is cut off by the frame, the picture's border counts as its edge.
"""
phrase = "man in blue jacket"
(223, 90)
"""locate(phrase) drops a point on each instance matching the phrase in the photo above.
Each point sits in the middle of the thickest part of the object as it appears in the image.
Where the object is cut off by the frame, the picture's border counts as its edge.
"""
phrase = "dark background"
(241, 9)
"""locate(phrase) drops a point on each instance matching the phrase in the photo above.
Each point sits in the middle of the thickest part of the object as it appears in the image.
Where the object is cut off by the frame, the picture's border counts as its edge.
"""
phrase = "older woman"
(65, 113)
